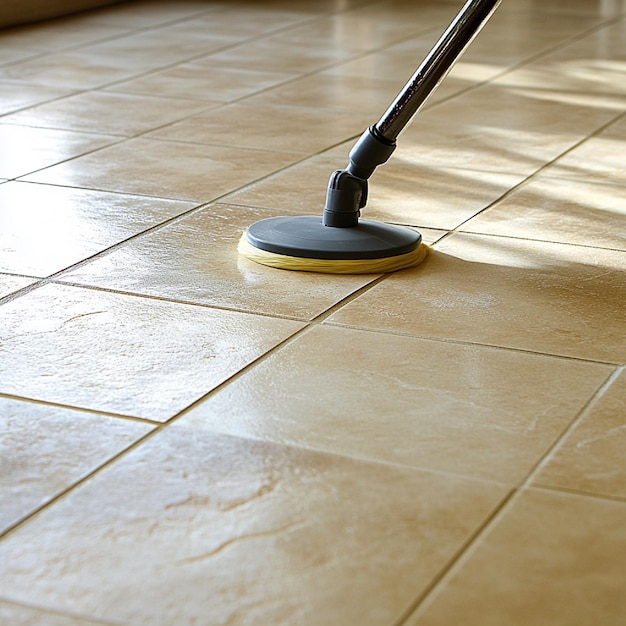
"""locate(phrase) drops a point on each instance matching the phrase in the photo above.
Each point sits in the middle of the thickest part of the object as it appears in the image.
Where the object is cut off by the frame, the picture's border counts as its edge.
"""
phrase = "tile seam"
(530, 178)
(462, 558)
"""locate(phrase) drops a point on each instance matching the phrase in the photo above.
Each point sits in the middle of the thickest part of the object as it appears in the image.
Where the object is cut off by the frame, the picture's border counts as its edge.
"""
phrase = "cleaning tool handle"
(461, 32)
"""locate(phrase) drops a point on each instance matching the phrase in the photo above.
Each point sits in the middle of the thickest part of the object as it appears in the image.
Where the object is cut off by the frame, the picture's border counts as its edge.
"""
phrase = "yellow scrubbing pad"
(332, 266)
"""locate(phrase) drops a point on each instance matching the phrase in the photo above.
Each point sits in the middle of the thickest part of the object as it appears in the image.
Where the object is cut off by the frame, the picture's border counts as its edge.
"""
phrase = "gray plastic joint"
(370, 151)
(346, 195)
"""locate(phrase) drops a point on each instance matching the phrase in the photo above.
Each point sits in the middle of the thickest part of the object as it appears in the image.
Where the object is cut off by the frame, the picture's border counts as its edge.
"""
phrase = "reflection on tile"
(598, 159)
(542, 297)
(500, 129)
(591, 458)
(380, 65)
(203, 82)
(581, 79)
(19, 615)
(150, 14)
(204, 515)
(9, 284)
(158, 47)
(196, 260)
(575, 7)
(290, 129)
(402, 191)
(77, 69)
(224, 20)
(47, 449)
(10, 54)
(511, 37)
(26, 150)
(272, 54)
(300, 188)
(15, 96)
(566, 211)
(360, 30)
(331, 91)
(474, 411)
(167, 169)
(553, 559)
(46, 228)
(124, 354)
(49, 35)
(111, 113)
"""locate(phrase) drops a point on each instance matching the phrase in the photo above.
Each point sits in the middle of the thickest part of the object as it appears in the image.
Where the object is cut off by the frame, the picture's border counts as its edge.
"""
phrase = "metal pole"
(461, 32)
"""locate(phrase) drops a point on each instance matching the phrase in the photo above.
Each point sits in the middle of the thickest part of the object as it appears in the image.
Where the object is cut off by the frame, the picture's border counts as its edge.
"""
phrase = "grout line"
(584, 412)
(586, 246)
(579, 492)
(81, 409)
(205, 305)
(455, 565)
(437, 579)
(320, 319)
(159, 427)
(530, 178)
(466, 342)
(81, 481)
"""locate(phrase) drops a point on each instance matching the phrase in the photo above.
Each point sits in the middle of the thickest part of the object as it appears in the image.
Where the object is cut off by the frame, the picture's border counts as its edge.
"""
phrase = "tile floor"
(190, 438)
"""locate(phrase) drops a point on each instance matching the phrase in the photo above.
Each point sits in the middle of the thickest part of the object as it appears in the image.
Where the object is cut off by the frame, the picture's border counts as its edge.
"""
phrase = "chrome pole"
(461, 32)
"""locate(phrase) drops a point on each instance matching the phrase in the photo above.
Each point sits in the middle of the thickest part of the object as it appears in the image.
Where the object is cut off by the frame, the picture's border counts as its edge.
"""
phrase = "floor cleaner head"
(338, 242)
(303, 243)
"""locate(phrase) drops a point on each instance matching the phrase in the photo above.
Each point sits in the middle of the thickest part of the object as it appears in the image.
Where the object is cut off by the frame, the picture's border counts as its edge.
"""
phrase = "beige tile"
(234, 22)
(210, 82)
(148, 13)
(124, 354)
(401, 191)
(598, 159)
(47, 228)
(566, 211)
(20, 615)
(360, 30)
(32, 149)
(578, 70)
(474, 411)
(281, 128)
(242, 531)
(158, 47)
(300, 188)
(553, 8)
(499, 129)
(273, 54)
(542, 297)
(335, 92)
(553, 559)
(513, 36)
(591, 458)
(404, 191)
(111, 113)
(51, 35)
(76, 69)
(320, 43)
(380, 65)
(10, 54)
(48, 449)
(601, 48)
(9, 284)
(16, 96)
(407, 17)
(167, 169)
(196, 260)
